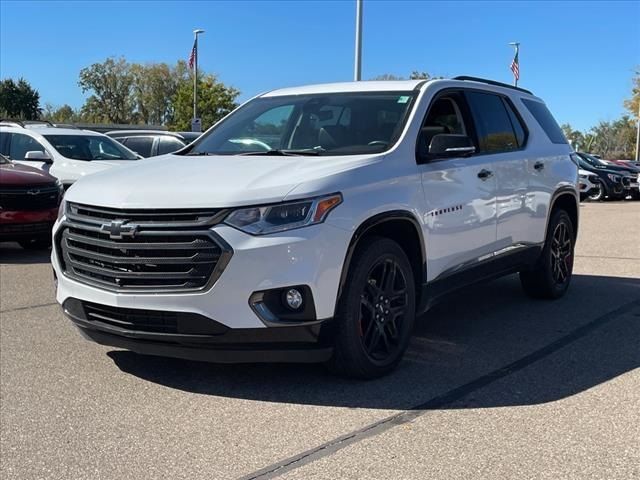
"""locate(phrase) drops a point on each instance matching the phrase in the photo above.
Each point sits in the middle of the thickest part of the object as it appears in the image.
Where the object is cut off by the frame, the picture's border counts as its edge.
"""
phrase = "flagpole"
(195, 75)
(357, 67)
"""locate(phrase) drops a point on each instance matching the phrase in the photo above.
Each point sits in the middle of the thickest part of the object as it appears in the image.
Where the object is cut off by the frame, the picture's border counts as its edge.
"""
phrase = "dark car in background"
(616, 182)
(29, 201)
(189, 137)
(149, 143)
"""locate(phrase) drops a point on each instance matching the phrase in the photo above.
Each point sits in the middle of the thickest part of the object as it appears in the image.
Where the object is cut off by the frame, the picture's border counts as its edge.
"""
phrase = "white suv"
(66, 153)
(314, 224)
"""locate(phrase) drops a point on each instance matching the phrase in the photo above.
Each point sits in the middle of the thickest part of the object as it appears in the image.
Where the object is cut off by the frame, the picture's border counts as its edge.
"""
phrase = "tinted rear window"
(543, 116)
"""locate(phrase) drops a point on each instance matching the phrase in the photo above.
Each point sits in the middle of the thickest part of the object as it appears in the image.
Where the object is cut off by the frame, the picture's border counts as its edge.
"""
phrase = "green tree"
(415, 75)
(575, 137)
(111, 84)
(154, 89)
(18, 100)
(215, 100)
(614, 140)
(633, 103)
(63, 114)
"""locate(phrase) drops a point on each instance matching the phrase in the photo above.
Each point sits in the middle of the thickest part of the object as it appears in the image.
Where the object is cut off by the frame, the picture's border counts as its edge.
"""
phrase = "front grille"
(142, 250)
(626, 181)
(594, 179)
(29, 198)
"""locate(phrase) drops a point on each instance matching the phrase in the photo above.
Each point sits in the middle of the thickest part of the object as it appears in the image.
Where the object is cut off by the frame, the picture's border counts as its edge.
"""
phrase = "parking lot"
(494, 386)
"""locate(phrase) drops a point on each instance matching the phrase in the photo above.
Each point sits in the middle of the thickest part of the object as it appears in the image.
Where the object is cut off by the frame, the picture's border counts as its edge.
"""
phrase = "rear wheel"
(376, 312)
(38, 243)
(551, 275)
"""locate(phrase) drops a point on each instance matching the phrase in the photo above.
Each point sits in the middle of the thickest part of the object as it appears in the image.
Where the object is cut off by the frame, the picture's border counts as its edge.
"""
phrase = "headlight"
(62, 208)
(614, 178)
(283, 216)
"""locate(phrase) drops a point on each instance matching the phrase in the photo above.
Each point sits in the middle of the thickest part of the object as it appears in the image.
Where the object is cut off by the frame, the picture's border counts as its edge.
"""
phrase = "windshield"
(593, 160)
(322, 124)
(89, 147)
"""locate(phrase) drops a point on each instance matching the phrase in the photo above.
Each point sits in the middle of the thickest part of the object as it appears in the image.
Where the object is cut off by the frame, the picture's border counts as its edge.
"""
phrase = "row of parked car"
(39, 161)
(611, 179)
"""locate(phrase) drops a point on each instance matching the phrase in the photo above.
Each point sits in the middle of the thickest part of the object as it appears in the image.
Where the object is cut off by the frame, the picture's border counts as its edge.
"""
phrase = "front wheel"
(376, 311)
(550, 277)
(597, 193)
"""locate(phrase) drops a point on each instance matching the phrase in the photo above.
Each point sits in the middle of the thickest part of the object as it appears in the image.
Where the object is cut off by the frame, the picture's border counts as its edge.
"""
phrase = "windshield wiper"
(286, 153)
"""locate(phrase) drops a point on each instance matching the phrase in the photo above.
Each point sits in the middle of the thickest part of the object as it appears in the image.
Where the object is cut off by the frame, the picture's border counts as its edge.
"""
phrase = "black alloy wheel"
(376, 311)
(383, 305)
(551, 275)
(561, 254)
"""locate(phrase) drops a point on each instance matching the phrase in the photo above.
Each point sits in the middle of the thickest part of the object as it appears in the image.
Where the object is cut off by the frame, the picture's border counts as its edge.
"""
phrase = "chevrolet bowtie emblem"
(119, 229)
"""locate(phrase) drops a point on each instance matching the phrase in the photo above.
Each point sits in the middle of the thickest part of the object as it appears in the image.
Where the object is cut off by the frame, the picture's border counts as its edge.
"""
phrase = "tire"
(550, 277)
(38, 243)
(366, 346)
(597, 195)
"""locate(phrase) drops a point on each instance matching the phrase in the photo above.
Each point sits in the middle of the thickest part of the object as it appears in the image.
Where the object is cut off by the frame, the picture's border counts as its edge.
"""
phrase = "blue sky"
(578, 55)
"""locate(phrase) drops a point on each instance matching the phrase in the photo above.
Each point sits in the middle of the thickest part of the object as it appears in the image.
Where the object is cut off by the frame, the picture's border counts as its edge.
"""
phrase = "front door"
(460, 193)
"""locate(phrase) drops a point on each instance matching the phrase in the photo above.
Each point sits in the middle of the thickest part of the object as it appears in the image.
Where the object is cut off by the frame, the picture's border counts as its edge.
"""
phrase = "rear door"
(502, 138)
(460, 193)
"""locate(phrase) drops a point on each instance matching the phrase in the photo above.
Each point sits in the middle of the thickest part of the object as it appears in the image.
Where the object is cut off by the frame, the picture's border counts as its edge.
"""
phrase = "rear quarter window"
(543, 116)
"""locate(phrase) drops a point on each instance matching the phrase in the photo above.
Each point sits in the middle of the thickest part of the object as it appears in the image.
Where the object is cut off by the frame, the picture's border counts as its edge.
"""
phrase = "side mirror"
(38, 156)
(450, 145)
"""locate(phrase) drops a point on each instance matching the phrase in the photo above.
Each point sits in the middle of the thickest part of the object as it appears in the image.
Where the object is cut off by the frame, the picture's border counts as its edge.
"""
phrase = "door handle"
(538, 165)
(484, 174)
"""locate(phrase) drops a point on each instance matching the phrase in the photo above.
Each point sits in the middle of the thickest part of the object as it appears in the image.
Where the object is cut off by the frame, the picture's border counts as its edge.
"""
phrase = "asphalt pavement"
(494, 385)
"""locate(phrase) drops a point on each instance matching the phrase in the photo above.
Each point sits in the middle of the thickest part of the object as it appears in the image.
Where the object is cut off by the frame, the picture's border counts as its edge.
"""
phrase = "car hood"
(16, 174)
(178, 181)
(619, 169)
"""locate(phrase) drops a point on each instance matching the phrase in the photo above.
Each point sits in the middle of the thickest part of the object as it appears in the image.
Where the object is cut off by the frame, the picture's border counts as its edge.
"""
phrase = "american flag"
(192, 57)
(515, 66)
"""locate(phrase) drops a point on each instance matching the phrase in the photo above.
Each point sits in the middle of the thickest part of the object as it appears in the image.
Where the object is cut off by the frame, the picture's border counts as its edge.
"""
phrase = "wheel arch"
(567, 199)
(400, 226)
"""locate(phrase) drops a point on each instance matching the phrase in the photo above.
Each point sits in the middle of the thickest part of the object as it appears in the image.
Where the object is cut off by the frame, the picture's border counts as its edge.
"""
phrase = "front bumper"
(311, 256)
(26, 224)
(199, 338)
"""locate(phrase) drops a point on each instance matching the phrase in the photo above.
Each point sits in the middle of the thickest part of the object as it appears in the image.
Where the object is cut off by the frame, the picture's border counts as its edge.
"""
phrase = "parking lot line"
(439, 401)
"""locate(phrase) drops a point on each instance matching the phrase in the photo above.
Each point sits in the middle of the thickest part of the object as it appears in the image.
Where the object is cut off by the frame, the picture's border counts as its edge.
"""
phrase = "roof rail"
(491, 82)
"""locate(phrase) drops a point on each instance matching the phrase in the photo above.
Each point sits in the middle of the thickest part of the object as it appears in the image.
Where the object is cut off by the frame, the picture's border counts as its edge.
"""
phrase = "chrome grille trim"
(170, 251)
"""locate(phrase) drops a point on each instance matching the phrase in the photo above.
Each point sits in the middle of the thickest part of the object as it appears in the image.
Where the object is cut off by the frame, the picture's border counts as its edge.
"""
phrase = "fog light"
(294, 299)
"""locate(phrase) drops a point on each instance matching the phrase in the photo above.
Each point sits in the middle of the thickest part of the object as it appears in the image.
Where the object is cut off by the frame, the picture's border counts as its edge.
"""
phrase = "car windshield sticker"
(403, 99)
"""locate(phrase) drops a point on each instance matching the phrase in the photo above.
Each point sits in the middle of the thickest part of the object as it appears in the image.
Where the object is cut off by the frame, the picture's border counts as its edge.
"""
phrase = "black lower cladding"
(196, 337)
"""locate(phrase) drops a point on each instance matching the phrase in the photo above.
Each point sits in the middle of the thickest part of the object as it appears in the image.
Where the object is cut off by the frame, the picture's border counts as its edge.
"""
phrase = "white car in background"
(588, 185)
(66, 153)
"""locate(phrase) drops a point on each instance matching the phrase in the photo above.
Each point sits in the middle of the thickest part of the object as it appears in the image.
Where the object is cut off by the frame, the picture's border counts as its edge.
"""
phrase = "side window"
(21, 144)
(140, 145)
(516, 123)
(543, 116)
(444, 117)
(493, 125)
(4, 143)
(168, 145)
